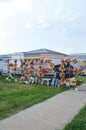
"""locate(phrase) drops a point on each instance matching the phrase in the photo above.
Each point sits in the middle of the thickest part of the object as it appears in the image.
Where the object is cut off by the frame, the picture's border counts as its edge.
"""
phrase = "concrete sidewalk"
(52, 114)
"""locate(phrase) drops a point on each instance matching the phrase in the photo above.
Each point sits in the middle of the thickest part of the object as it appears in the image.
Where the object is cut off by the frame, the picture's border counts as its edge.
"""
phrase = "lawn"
(15, 96)
(81, 79)
(78, 122)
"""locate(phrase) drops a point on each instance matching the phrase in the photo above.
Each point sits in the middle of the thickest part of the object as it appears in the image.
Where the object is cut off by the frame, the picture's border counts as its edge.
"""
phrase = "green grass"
(15, 96)
(78, 122)
(81, 79)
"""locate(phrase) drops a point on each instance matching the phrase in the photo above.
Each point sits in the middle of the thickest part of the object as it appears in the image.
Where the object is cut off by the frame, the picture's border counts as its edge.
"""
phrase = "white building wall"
(3, 63)
(17, 56)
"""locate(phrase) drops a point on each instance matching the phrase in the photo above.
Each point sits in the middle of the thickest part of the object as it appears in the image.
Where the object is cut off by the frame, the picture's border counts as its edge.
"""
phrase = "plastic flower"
(67, 61)
(49, 61)
(62, 74)
(40, 66)
(68, 80)
(40, 73)
(62, 60)
(74, 81)
(75, 70)
(62, 66)
(51, 65)
(75, 61)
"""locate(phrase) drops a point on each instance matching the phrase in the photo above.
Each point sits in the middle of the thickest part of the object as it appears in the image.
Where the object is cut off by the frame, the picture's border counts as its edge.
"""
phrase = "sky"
(58, 25)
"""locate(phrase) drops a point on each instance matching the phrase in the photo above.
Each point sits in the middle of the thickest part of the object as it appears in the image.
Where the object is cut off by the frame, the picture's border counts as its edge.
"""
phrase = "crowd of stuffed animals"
(63, 73)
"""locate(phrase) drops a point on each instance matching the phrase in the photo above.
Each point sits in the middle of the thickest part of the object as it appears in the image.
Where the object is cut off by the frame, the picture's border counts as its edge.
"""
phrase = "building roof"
(35, 53)
(42, 51)
(78, 55)
(5, 56)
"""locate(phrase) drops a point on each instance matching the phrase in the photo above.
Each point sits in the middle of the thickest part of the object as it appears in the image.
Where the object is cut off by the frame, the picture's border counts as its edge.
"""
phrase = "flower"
(45, 60)
(31, 62)
(74, 81)
(21, 60)
(68, 80)
(63, 79)
(75, 61)
(67, 61)
(40, 73)
(49, 61)
(40, 66)
(61, 74)
(75, 70)
(62, 66)
(51, 65)
(62, 60)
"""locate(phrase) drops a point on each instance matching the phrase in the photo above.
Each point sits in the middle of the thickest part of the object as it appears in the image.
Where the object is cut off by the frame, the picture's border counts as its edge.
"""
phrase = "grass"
(78, 122)
(81, 79)
(15, 96)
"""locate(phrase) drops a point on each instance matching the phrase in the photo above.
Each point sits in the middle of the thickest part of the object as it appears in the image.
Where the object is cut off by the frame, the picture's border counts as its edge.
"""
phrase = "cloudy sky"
(58, 25)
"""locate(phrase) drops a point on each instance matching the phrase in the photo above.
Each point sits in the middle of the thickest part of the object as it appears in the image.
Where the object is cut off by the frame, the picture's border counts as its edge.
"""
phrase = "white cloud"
(42, 22)
(5, 9)
(59, 10)
(27, 18)
(22, 5)
(28, 23)
(4, 35)
(15, 9)
(10, 8)
(64, 13)
(71, 15)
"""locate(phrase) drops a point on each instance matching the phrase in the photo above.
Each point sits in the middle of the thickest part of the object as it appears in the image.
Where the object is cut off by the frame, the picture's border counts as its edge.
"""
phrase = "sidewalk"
(52, 114)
